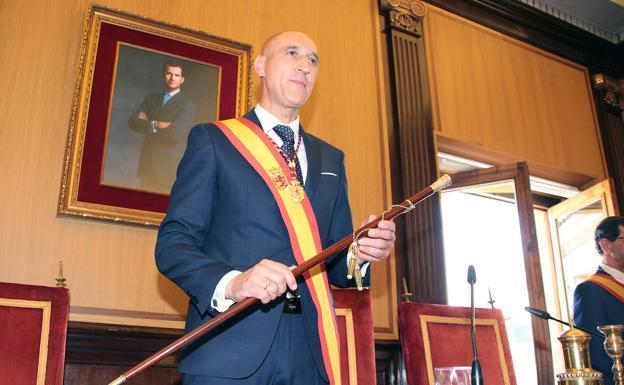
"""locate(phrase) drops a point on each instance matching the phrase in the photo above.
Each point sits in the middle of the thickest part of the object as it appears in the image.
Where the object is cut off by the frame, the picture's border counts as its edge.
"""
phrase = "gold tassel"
(358, 278)
(353, 270)
(352, 260)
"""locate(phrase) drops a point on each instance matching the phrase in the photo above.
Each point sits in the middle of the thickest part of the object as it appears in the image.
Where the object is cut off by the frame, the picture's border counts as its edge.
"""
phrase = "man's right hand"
(266, 281)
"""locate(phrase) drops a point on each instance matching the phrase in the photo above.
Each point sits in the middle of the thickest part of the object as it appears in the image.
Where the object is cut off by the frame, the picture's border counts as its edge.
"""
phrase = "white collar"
(615, 273)
(268, 121)
(172, 93)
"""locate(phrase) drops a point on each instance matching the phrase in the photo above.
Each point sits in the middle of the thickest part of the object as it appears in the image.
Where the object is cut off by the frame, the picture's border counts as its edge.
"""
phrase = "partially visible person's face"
(617, 247)
(614, 251)
(288, 65)
(173, 78)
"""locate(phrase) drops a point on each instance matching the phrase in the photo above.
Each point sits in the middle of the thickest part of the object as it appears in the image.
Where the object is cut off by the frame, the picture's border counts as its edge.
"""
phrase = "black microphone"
(476, 376)
(545, 315)
(472, 276)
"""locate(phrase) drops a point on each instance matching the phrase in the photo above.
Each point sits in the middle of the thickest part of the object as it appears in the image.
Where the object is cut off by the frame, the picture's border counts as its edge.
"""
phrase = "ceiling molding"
(603, 18)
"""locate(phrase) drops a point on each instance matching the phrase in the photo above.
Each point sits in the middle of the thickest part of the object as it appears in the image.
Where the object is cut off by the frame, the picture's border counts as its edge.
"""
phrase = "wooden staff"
(396, 210)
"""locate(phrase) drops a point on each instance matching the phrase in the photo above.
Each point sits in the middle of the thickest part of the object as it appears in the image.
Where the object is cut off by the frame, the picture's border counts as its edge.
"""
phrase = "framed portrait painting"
(142, 84)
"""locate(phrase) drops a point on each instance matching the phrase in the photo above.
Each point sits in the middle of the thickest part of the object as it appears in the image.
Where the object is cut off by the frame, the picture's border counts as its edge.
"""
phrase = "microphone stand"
(476, 376)
(546, 316)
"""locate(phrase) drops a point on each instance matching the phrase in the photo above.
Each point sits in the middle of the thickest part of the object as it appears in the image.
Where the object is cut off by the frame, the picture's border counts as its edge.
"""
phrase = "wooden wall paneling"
(506, 96)
(80, 374)
(389, 363)
(420, 230)
(99, 353)
(110, 267)
(530, 25)
(539, 29)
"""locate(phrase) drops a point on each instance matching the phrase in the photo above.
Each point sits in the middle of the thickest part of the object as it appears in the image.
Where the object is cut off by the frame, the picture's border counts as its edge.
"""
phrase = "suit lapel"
(313, 155)
(173, 102)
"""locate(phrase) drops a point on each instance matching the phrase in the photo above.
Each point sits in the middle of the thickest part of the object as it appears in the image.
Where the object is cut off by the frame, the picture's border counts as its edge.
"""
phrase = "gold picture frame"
(122, 58)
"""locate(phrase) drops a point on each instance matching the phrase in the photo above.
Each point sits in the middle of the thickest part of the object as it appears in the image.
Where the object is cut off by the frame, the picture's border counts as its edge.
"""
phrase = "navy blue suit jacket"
(221, 217)
(594, 306)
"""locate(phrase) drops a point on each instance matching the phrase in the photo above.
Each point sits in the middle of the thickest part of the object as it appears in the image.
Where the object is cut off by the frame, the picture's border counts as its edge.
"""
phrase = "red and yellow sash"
(608, 283)
(296, 211)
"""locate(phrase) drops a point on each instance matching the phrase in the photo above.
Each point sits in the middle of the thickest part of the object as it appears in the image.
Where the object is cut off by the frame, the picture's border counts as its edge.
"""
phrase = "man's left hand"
(161, 125)
(375, 246)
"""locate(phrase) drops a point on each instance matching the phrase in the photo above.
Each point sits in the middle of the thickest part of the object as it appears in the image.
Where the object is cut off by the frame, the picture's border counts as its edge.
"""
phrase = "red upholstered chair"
(436, 336)
(33, 328)
(357, 342)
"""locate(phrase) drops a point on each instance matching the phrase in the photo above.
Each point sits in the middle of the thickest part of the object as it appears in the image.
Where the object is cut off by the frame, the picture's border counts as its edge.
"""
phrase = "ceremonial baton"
(443, 182)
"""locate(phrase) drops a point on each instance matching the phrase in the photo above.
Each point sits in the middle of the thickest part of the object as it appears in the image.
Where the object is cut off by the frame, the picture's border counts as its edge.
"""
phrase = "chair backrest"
(357, 342)
(33, 329)
(438, 336)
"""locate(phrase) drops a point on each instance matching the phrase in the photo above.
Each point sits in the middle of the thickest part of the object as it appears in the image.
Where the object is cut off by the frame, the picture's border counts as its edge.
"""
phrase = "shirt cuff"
(363, 267)
(218, 301)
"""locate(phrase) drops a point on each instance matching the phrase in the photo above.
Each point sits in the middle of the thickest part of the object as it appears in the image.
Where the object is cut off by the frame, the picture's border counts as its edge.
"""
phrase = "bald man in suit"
(225, 237)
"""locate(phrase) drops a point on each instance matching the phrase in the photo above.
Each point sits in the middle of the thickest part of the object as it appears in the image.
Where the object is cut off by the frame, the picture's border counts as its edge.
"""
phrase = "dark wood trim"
(396, 169)
(91, 343)
(81, 374)
(532, 266)
(609, 100)
(99, 353)
(420, 247)
(390, 365)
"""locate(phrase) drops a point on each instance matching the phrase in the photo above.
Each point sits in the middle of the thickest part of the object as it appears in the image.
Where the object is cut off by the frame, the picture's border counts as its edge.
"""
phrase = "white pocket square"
(328, 173)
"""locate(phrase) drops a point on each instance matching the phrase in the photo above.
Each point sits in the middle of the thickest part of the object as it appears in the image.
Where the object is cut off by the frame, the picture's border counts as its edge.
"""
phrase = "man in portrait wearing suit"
(599, 300)
(254, 196)
(165, 118)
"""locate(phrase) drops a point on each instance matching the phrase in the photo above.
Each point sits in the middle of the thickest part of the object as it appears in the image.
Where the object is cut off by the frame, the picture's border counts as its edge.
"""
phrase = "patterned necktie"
(288, 148)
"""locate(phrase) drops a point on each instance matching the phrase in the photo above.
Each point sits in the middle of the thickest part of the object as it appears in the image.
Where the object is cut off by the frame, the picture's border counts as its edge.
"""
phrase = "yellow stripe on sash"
(609, 284)
(300, 221)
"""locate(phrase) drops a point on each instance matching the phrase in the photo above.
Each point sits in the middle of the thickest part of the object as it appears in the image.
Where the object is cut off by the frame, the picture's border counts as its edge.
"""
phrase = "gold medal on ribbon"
(278, 178)
(296, 191)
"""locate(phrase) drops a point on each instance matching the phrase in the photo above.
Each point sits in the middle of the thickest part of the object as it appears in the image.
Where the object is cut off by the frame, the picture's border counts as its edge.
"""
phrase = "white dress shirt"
(615, 273)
